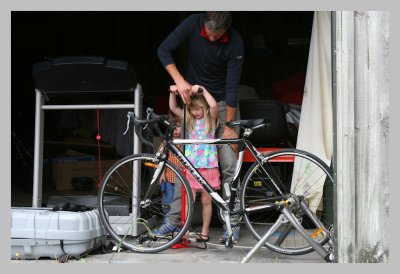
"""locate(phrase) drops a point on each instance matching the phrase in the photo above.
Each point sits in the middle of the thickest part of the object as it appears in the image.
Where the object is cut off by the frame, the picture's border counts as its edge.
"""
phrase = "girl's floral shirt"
(202, 155)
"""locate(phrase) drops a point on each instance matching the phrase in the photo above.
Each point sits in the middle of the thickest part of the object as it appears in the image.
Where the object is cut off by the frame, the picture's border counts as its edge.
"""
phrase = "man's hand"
(230, 133)
(185, 91)
(183, 87)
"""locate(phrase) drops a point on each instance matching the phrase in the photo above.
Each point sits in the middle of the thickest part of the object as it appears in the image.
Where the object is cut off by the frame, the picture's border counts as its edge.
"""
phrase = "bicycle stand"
(284, 218)
(261, 242)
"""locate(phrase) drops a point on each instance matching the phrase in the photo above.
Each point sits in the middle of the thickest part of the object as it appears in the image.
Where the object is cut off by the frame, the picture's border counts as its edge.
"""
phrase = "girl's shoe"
(202, 238)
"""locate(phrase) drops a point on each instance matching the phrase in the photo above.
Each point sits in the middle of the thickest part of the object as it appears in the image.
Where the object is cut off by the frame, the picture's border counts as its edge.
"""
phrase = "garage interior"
(276, 53)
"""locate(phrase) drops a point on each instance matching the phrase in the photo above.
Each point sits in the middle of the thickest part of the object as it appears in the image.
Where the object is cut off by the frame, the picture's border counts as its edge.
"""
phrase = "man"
(215, 59)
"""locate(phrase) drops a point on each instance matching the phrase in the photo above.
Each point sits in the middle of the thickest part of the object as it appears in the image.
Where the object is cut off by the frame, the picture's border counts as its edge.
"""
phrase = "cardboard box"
(65, 171)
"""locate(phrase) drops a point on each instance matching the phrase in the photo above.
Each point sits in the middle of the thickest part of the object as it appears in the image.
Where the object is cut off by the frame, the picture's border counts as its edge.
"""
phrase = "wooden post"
(371, 115)
(362, 136)
(343, 98)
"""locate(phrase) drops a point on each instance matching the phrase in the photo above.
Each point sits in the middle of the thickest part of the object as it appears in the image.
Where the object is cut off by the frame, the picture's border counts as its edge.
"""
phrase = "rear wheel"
(298, 174)
(127, 217)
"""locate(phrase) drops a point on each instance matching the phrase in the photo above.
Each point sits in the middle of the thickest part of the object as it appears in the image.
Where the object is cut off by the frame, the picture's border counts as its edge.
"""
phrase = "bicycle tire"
(116, 198)
(257, 190)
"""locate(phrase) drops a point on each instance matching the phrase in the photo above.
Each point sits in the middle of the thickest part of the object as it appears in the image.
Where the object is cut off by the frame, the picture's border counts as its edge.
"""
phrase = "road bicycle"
(286, 194)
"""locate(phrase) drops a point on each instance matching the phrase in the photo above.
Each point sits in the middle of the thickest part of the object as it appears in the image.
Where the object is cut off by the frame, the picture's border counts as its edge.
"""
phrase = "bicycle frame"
(171, 144)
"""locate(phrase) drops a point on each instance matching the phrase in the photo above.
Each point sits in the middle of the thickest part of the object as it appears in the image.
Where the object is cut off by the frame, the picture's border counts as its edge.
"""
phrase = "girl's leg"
(206, 212)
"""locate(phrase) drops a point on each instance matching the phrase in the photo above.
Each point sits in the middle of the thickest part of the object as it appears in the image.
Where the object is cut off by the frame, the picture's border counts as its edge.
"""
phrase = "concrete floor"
(214, 253)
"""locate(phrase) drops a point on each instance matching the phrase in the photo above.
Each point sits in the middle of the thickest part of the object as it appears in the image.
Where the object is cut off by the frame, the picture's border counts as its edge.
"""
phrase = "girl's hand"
(195, 89)
(173, 89)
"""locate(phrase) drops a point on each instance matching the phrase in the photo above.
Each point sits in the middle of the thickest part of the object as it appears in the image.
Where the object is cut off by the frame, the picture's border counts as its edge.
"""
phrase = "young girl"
(202, 121)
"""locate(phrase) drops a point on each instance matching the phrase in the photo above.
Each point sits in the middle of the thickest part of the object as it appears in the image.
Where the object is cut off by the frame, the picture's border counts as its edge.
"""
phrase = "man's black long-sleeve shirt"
(215, 65)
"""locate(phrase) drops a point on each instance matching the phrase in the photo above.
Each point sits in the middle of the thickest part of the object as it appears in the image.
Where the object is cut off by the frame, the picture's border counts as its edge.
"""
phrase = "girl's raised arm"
(173, 104)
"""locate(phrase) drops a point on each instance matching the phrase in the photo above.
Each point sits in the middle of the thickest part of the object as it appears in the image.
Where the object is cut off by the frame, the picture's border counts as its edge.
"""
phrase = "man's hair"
(218, 20)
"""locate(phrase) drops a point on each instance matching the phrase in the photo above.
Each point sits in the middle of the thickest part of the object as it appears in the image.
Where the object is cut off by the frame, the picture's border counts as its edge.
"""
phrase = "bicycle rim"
(298, 174)
(129, 219)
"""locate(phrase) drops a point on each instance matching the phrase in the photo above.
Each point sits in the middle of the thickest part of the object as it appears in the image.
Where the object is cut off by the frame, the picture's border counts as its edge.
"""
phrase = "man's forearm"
(230, 114)
(230, 133)
(174, 73)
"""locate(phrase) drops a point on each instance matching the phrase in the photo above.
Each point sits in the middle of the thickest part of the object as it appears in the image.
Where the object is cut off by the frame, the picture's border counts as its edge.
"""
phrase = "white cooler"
(41, 232)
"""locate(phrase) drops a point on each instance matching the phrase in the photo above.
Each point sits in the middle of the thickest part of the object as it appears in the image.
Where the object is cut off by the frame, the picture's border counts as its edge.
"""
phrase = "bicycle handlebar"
(154, 119)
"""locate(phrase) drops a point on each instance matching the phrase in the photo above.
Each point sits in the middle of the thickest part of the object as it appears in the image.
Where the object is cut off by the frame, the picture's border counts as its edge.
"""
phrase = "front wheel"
(300, 176)
(129, 217)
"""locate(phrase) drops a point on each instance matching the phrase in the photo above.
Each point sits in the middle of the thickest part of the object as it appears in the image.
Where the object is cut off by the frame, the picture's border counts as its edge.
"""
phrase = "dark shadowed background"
(276, 48)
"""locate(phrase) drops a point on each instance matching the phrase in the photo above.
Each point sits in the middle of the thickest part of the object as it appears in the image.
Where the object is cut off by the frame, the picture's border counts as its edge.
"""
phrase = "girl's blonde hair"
(198, 100)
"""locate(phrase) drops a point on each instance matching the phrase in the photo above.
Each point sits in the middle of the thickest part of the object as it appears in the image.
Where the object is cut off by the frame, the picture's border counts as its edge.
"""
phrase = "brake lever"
(149, 111)
(128, 122)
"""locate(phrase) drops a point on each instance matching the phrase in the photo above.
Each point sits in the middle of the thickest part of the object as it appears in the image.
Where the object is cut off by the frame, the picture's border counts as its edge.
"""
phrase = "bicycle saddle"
(252, 123)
